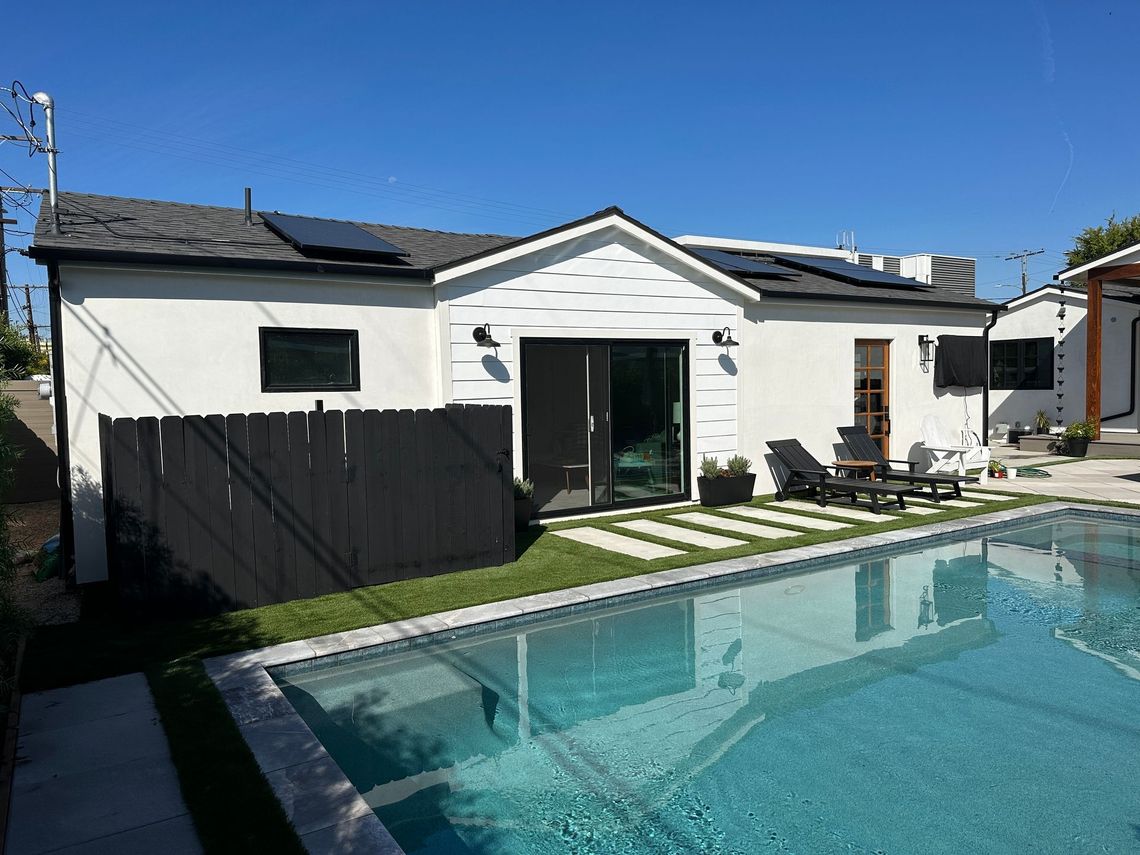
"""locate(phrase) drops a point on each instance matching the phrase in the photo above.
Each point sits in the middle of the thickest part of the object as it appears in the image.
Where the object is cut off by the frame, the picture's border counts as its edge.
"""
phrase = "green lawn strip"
(233, 806)
(223, 787)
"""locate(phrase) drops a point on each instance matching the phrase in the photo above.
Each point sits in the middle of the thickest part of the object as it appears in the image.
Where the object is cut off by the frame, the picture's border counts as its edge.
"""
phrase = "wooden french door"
(872, 389)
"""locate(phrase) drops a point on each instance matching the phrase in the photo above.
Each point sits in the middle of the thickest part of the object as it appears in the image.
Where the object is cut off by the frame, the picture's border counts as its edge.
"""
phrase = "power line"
(1024, 256)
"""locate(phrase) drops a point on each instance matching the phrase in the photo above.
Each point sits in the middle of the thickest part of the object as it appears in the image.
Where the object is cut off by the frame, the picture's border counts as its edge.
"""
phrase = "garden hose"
(1033, 472)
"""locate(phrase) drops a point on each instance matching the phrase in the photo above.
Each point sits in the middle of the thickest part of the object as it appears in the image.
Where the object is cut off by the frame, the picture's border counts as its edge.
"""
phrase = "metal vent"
(953, 274)
(891, 265)
(865, 260)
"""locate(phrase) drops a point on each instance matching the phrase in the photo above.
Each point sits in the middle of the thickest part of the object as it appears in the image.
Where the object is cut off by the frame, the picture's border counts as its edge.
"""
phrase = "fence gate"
(210, 513)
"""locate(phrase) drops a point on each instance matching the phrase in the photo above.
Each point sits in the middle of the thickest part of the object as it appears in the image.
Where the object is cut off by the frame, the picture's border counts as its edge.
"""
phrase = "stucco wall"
(1036, 317)
(155, 342)
(797, 370)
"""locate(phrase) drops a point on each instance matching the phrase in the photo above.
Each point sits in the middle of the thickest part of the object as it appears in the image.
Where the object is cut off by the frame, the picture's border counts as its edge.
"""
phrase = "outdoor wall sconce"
(724, 338)
(482, 336)
(925, 350)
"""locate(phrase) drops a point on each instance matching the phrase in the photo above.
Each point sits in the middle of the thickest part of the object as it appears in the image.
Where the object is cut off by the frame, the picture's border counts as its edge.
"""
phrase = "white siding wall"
(154, 343)
(797, 371)
(607, 285)
(1037, 318)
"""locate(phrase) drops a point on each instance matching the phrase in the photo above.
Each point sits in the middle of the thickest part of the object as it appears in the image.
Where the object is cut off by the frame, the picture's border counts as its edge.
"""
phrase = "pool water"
(981, 695)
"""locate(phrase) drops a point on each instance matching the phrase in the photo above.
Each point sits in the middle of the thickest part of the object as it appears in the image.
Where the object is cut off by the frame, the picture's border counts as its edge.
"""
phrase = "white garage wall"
(798, 363)
(1036, 317)
(166, 342)
(606, 285)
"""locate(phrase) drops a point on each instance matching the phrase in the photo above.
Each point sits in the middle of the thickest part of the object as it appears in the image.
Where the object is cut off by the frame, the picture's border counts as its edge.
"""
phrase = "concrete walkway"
(1091, 478)
(94, 775)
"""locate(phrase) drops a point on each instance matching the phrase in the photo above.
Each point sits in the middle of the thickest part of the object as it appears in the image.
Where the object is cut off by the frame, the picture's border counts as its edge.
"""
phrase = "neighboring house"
(599, 333)
(1039, 351)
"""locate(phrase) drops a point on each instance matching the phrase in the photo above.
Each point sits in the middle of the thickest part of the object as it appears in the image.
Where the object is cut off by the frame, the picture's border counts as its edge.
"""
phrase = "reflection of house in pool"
(690, 676)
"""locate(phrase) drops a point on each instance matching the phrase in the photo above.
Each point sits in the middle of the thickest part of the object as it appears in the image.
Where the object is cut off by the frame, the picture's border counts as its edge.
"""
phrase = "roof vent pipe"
(248, 206)
(48, 103)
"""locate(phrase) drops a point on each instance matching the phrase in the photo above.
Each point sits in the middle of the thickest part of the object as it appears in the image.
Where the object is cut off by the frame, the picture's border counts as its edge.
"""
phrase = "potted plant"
(524, 503)
(729, 486)
(1076, 438)
(1043, 422)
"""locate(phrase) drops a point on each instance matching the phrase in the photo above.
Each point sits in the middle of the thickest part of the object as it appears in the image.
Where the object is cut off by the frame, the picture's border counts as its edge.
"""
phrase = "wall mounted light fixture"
(482, 336)
(925, 349)
(723, 337)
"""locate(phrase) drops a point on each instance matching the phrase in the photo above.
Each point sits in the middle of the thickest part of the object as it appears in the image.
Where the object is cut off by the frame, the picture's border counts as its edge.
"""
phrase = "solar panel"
(314, 236)
(741, 265)
(853, 273)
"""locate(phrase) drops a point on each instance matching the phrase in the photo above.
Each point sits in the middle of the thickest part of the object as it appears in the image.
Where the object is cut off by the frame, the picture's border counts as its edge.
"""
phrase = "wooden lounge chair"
(807, 474)
(862, 447)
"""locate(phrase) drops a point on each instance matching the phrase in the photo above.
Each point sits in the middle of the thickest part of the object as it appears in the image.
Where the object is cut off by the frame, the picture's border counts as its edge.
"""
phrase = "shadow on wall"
(495, 368)
(36, 472)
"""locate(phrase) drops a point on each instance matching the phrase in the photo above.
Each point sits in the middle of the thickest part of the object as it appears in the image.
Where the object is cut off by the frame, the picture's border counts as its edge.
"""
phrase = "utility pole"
(4, 221)
(1024, 256)
(32, 335)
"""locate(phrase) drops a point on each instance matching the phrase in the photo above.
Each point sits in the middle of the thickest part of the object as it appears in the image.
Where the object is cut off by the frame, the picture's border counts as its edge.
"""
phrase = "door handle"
(591, 424)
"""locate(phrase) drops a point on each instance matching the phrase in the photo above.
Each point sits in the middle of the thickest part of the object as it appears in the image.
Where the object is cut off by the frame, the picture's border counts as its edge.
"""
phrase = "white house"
(599, 333)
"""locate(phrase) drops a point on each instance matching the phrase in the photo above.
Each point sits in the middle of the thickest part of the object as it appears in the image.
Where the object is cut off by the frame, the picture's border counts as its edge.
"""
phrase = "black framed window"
(1024, 363)
(309, 360)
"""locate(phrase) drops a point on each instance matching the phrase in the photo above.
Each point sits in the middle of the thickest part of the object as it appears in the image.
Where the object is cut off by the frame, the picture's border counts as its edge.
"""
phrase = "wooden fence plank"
(284, 518)
(325, 555)
(409, 563)
(425, 486)
(507, 482)
(376, 518)
(208, 597)
(357, 495)
(176, 487)
(338, 499)
(302, 504)
(264, 547)
(127, 561)
(390, 510)
(220, 522)
(241, 499)
(151, 518)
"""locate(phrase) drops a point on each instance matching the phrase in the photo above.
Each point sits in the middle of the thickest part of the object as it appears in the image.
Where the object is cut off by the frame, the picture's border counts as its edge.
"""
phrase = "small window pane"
(301, 360)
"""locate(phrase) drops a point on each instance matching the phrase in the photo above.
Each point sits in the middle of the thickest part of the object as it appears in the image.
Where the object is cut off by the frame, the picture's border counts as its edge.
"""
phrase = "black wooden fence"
(208, 513)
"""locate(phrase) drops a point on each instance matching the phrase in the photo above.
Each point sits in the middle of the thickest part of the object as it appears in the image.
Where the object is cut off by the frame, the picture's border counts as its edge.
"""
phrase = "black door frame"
(686, 448)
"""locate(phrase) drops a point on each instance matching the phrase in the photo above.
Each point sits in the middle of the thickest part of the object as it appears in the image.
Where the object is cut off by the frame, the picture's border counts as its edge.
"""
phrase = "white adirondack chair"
(954, 457)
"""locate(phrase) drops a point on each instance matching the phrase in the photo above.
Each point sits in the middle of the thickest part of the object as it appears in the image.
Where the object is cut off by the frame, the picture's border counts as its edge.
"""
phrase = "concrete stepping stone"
(682, 535)
(766, 513)
(617, 543)
(750, 528)
(917, 510)
(986, 497)
(945, 503)
(842, 511)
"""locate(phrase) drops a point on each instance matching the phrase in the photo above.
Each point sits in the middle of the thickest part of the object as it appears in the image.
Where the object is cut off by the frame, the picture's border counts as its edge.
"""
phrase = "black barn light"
(482, 336)
(724, 338)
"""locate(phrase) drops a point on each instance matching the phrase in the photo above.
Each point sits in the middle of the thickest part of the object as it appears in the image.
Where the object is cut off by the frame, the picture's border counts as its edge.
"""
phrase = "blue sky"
(966, 128)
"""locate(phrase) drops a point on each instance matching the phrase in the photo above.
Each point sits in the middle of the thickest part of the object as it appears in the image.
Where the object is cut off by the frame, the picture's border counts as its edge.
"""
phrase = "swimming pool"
(972, 695)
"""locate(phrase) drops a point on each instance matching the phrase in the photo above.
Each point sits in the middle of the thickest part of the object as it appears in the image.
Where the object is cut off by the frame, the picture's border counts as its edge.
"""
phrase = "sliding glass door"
(604, 422)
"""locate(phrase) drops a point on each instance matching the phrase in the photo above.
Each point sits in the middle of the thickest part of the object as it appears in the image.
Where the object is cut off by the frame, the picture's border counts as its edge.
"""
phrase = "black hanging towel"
(960, 360)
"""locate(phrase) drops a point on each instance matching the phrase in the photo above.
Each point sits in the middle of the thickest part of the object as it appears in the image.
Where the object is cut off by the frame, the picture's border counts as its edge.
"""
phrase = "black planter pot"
(1042, 431)
(725, 491)
(1076, 447)
(524, 508)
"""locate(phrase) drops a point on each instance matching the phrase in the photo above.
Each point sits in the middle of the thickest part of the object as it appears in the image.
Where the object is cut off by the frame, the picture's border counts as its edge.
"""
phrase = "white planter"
(1011, 472)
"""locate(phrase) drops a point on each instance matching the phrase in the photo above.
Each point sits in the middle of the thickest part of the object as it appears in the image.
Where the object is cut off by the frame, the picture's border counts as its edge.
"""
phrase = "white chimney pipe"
(48, 103)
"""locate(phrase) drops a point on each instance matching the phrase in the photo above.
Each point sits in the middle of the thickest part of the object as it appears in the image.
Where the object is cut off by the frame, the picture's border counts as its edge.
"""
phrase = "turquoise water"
(974, 696)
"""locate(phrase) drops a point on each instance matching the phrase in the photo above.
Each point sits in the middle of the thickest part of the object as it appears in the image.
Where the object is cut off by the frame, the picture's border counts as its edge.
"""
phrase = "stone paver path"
(617, 543)
(842, 511)
(985, 497)
(94, 775)
(681, 535)
(945, 503)
(1092, 478)
(917, 510)
(739, 526)
(768, 514)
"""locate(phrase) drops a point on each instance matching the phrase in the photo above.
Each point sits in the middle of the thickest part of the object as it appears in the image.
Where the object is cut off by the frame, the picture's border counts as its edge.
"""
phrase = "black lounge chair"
(862, 447)
(808, 475)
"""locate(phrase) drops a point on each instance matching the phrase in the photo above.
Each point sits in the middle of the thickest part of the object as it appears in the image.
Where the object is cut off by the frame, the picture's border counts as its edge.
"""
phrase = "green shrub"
(710, 467)
(1079, 430)
(524, 488)
(18, 358)
(738, 465)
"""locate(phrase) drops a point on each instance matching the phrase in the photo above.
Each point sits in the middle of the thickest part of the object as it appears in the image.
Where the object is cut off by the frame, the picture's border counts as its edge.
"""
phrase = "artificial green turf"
(230, 801)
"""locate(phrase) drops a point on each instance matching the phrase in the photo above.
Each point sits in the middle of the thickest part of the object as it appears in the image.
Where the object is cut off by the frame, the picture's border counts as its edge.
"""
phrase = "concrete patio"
(1090, 478)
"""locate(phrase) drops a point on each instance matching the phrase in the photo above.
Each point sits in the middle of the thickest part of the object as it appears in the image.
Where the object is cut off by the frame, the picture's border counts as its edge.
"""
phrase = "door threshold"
(615, 512)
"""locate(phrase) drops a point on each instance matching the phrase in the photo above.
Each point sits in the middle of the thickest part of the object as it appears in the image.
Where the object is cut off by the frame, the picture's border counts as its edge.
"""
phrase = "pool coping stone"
(327, 811)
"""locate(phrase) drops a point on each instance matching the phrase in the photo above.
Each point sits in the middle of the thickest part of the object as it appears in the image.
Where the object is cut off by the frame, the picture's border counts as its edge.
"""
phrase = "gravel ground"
(49, 601)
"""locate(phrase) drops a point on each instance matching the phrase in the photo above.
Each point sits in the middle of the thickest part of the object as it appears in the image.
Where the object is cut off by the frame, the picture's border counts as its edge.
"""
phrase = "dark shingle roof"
(113, 226)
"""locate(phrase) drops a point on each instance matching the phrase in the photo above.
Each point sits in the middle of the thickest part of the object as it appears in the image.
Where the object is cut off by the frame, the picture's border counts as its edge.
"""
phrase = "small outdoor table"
(868, 466)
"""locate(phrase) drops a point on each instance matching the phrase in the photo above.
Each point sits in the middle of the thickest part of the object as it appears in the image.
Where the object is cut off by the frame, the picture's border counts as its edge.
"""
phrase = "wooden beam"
(1092, 355)
(1112, 274)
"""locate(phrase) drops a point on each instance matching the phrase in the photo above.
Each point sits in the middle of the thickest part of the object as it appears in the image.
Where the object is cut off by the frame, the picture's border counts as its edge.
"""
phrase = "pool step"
(767, 514)
(681, 535)
(617, 543)
(739, 526)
